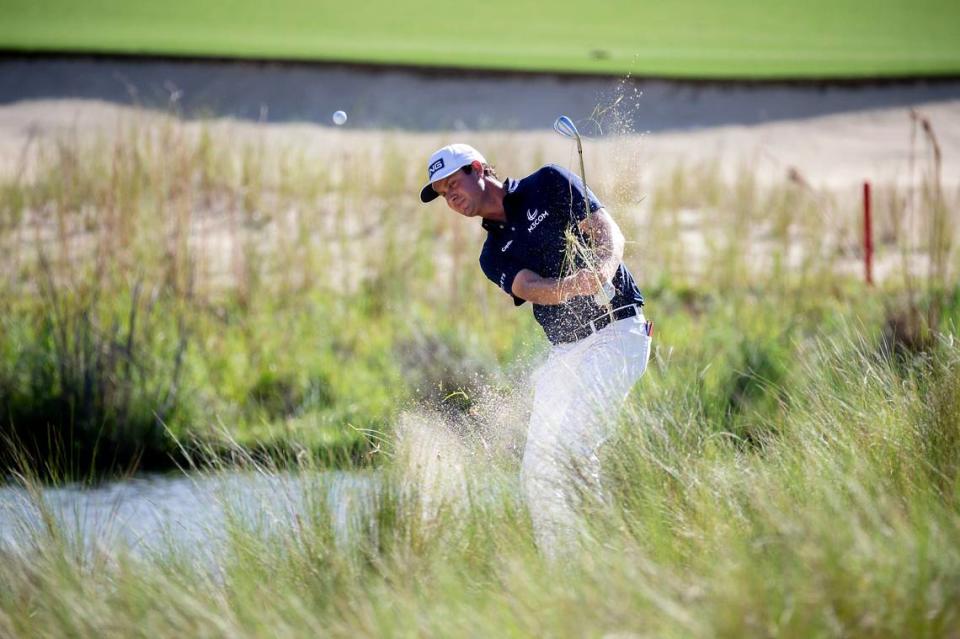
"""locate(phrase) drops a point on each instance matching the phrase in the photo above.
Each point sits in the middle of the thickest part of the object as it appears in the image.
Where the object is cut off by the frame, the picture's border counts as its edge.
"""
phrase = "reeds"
(287, 288)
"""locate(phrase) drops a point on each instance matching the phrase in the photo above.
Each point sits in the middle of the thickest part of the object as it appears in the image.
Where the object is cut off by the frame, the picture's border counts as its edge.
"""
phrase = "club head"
(565, 127)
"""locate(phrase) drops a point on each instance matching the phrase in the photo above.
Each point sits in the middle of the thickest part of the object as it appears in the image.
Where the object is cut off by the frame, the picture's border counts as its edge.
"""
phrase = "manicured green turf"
(690, 38)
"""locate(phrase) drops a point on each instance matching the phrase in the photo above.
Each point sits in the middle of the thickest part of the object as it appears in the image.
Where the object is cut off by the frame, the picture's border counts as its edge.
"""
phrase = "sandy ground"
(830, 152)
(834, 154)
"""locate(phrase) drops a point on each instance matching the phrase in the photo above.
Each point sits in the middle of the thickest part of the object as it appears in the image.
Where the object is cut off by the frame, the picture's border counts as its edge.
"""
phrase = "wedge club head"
(565, 127)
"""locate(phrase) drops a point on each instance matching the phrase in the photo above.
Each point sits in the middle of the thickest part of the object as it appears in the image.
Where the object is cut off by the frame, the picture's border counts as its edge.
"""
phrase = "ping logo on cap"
(436, 166)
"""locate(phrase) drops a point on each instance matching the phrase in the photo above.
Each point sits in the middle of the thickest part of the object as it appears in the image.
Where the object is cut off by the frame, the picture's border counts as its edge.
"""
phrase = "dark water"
(427, 100)
(189, 513)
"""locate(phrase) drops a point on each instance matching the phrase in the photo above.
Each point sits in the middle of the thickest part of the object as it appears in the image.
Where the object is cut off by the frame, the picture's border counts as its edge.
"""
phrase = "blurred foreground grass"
(787, 467)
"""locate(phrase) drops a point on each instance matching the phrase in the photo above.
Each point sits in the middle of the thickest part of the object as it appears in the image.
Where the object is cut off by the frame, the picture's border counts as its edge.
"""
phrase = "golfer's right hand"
(584, 282)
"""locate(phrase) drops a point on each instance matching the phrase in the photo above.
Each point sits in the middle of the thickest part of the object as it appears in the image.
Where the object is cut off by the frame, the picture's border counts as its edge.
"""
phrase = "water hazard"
(188, 512)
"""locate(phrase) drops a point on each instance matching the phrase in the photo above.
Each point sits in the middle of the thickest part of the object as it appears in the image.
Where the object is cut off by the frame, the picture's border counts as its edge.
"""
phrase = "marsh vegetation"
(183, 292)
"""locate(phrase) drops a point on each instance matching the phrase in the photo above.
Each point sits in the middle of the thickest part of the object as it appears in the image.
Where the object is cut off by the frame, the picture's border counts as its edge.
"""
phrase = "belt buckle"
(593, 323)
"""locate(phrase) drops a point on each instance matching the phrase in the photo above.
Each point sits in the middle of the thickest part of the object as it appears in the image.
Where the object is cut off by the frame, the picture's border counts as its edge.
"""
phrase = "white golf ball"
(339, 117)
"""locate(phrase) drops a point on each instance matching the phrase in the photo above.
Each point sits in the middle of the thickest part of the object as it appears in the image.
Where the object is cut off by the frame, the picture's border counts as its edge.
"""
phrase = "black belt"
(602, 321)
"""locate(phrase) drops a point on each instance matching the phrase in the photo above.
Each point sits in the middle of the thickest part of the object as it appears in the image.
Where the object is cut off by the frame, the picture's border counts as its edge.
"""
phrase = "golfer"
(543, 247)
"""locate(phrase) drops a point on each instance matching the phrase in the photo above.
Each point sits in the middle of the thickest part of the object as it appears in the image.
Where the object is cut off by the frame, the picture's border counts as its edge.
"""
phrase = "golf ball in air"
(339, 117)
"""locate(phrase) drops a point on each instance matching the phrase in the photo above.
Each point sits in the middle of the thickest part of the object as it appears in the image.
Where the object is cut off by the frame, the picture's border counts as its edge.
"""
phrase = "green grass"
(690, 39)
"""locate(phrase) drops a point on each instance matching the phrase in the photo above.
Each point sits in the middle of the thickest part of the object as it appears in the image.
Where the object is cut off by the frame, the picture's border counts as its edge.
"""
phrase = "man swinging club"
(544, 247)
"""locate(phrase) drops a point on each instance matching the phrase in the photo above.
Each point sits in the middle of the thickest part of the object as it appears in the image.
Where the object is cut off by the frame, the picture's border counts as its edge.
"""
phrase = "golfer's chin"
(466, 211)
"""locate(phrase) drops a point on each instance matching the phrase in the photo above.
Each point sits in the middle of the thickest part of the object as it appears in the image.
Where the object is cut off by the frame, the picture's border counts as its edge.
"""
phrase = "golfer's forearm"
(548, 291)
(607, 243)
(609, 255)
(609, 252)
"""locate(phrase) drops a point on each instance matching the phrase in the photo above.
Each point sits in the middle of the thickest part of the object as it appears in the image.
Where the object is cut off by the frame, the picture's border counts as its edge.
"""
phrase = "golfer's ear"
(477, 167)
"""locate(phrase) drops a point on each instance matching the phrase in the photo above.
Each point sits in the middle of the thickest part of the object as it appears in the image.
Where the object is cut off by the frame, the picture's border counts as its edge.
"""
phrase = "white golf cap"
(444, 163)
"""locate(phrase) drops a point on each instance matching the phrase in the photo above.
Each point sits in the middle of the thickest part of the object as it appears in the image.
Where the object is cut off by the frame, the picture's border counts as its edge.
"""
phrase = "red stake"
(867, 235)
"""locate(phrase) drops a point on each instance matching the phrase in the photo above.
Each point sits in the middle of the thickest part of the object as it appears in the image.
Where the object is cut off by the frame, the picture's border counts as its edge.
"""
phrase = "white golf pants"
(578, 393)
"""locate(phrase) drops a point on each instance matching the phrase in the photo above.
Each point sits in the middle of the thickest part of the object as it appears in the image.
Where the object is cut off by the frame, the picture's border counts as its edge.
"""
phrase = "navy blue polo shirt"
(542, 209)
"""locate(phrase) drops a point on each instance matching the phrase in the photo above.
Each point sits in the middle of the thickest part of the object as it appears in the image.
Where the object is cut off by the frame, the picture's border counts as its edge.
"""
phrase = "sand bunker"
(830, 152)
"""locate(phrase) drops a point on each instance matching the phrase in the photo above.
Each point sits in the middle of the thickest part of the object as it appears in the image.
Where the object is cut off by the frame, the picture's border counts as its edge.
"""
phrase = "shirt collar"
(510, 186)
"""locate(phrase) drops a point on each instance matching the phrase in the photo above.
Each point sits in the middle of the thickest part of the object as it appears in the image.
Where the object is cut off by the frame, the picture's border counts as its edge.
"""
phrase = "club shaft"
(583, 176)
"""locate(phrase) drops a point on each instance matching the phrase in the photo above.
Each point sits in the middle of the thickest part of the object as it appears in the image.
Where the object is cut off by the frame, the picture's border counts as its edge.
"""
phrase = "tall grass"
(840, 520)
(163, 281)
(189, 282)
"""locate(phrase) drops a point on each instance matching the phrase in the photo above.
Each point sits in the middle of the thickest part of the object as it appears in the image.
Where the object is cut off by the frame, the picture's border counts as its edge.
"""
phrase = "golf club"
(565, 127)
